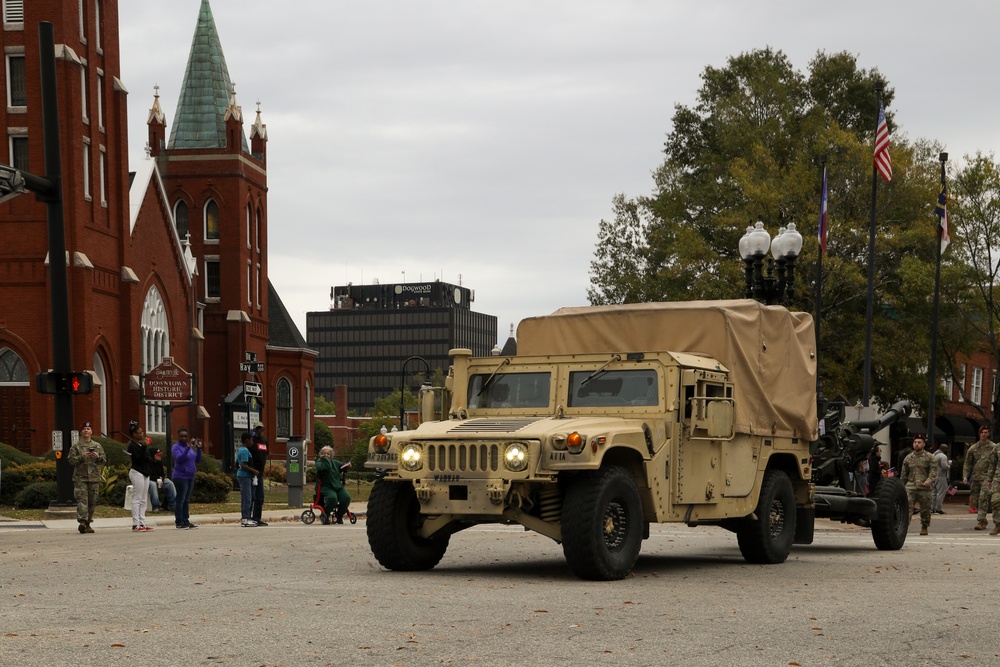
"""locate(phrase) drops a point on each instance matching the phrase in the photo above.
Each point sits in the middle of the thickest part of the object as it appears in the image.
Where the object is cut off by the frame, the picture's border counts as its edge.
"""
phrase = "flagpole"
(870, 307)
(820, 401)
(932, 392)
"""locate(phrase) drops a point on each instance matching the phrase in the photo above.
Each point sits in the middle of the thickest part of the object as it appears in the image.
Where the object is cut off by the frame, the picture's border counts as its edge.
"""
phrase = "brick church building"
(168, 259)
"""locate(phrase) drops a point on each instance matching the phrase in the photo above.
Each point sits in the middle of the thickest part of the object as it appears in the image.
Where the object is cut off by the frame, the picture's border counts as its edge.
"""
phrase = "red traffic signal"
(79, 383)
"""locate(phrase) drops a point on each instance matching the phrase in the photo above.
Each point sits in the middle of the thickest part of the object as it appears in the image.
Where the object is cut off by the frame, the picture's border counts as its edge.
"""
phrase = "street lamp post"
(402, 387)
(778, 285)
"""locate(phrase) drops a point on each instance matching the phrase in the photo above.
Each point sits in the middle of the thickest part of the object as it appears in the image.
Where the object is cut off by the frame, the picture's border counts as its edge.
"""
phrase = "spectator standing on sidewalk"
(87, 458)
(258, 451)
(975, 468)
(138, 474)
(918, 475)
(941, 485)
(246, 475)
(186, 454)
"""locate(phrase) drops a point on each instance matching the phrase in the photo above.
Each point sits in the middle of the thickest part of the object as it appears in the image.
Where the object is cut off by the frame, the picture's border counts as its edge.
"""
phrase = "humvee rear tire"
(602, 524)
(892, 517)
(393, 521)
(768, 538)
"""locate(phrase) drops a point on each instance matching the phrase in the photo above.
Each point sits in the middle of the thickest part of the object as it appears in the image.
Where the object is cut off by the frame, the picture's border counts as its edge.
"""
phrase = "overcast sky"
(481, 142)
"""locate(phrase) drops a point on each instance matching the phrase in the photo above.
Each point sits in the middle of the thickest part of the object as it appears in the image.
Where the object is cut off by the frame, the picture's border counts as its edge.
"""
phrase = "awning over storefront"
(958, 429)
(915, 425)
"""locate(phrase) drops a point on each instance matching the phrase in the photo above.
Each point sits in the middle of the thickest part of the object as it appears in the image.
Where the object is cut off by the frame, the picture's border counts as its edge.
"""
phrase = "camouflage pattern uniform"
(975, 469)
(991, 485)
(86, 477)
(919, 467)
(989, 461)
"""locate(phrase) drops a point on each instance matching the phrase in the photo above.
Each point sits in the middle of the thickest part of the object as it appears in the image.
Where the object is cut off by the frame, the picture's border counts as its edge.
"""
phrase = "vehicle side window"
(627, 387)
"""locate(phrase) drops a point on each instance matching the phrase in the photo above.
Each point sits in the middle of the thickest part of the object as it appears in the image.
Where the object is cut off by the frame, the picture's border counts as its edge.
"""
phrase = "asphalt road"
(291, 594)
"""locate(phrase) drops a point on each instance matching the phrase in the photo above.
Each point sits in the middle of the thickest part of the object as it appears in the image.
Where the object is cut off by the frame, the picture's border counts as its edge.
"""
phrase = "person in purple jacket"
(186, 454)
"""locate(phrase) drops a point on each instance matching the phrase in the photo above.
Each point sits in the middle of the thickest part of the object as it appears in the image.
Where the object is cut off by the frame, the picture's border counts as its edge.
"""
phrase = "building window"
(213, 278)
(249, 215)
(12, 368)
(83, 93)
(211, 221)
(961, 383)
(257, 231)
(249, 293)
(19, 153)
(83, 22)
(97, 24)
(308, 401)
(86, 170)
(181, 218)
(949, 388)
(17, 82)
(258, 287)
(100, 101)
(102, 168)
(976, 390)
(284, 409)
(13, 11)
(155, 337)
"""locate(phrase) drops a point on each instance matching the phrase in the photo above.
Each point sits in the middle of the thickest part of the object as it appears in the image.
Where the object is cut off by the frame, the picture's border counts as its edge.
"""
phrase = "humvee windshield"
(510, 390)
(630, 387)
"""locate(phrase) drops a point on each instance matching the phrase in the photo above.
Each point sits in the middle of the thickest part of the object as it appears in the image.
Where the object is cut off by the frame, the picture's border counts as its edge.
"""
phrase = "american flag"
(822, 217)
(941, 210)
(882, 160)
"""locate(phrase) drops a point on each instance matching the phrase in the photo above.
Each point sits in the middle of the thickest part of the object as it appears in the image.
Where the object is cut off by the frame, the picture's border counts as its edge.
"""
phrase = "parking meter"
(295, 469)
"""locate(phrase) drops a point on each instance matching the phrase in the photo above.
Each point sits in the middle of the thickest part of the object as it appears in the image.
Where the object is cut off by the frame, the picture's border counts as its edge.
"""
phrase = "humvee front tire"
(602, 524)
(393, 521)
(892, 516)
(767, 539)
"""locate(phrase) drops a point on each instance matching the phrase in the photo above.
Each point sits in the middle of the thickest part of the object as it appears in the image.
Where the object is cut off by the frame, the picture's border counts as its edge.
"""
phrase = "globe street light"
(777, 286)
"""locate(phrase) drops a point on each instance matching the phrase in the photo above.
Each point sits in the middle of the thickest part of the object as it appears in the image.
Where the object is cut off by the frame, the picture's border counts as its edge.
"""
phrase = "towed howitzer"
(843, 446)
(835, 455)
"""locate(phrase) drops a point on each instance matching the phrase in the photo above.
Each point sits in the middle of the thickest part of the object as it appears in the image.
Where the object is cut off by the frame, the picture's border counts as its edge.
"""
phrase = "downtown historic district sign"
(168, 382)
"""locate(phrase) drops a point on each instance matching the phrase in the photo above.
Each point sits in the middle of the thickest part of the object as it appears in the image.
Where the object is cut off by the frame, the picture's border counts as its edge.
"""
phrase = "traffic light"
(79, 383)
(71, 383)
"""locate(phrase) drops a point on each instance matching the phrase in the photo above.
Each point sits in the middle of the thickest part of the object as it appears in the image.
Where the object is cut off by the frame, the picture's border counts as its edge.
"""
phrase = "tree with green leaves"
(747, 151)
(321, 406)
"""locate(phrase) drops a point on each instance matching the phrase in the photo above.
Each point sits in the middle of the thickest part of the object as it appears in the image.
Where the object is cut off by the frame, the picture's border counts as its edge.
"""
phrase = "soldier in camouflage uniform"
(87, 458)
(991, 489)
(975, 468)
(986, 456)
(919, 473)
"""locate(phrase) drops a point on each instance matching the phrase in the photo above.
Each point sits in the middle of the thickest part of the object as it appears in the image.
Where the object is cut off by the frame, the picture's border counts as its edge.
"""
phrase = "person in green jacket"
(335, 496)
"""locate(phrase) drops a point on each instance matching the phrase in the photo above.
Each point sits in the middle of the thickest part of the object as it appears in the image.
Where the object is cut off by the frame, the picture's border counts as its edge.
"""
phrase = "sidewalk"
(166, 519)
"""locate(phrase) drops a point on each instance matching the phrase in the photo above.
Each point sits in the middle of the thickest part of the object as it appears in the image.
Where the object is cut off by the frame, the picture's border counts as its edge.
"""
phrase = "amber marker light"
(575, 442)
(381, 443)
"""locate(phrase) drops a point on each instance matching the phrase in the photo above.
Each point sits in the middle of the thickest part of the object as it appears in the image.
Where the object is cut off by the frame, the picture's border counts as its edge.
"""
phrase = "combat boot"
(83, 526)
(996, 530)
(981, 525)
(88, 528)
(923, 530)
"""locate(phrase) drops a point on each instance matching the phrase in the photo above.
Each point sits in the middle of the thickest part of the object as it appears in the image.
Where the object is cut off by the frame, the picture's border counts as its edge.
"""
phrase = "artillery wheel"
(308, 517)
(392, 525)
(892, 516)
(767, 539)
(602, 524)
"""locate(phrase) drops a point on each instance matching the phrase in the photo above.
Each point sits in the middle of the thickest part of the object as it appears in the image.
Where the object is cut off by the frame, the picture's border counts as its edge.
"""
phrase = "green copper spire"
(205, 93)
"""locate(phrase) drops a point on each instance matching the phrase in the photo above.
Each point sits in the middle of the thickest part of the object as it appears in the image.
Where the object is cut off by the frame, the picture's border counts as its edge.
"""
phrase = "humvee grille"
(463, 457)
(493, 425)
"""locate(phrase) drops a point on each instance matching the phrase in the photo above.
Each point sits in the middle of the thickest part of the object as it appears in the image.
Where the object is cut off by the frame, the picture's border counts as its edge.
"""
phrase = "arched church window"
(181, 218)
(211, 220)
(284, 402)
(155, 332)
(12, 368)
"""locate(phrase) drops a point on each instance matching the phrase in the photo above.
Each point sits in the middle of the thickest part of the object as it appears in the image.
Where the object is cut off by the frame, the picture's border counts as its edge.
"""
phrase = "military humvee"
(610, 418)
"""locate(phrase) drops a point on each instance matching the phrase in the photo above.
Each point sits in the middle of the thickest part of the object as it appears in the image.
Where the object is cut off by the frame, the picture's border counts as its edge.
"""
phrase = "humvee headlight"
(515, 457)
(381, 443)
(575, 442)
(411, 458)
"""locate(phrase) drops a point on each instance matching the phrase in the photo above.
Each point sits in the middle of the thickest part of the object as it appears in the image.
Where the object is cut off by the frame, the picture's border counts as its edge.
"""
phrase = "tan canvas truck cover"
(770, 351)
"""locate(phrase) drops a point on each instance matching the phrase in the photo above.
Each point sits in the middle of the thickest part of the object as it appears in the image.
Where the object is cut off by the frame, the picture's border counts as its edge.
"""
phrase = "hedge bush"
(210, 488)
(40, 471)
(12, 455)
(36, 496)
(12, 484)
(275, 472)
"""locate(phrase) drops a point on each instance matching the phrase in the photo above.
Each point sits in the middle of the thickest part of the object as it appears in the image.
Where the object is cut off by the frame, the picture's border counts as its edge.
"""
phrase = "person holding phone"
(186, 453)
(88, 459)
(138, 474)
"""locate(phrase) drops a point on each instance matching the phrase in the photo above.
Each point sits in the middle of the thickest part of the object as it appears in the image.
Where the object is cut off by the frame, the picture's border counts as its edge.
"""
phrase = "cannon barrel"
(898, 411)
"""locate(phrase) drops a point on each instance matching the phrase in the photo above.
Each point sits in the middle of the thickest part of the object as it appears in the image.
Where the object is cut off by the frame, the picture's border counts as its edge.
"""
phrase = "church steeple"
(258, 138)
(157, 125)
(200, 121)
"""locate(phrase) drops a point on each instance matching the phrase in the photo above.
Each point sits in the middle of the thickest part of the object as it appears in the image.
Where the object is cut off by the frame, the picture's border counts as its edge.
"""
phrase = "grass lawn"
(275, 497)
